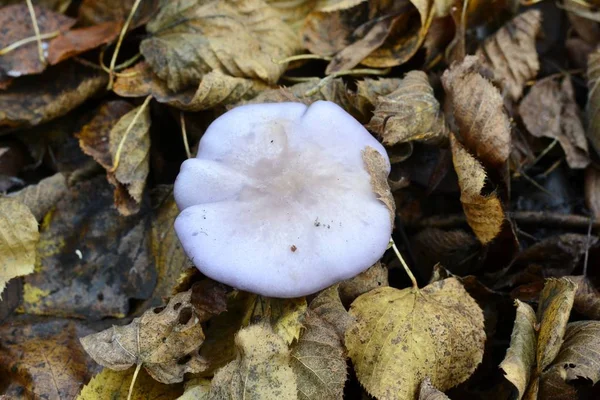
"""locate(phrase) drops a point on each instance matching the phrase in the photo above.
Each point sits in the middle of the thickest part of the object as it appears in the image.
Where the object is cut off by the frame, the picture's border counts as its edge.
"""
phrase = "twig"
(24, 41)
(299, 57)
(587, 246)
(408, 271)
(36, 29)
(184, 134)
(113, 61)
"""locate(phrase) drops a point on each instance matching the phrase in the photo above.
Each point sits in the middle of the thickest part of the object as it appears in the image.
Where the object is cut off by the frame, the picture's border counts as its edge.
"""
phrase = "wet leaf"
(550, 110)
(110, 384)
(41, 197)
(511, 52)
(484, 213)
(88, 252)
(478, 112)
(18, 238)
(374, 277)
(436, 331)
(429, 392)
(27, 103)
(165, 340)
(520, 356)
(261, 370)
(410, 112)
(17, 25)
(239, 38)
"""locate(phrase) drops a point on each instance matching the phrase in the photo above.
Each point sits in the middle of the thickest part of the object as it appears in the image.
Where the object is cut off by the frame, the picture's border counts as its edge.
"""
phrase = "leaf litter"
(490, 116)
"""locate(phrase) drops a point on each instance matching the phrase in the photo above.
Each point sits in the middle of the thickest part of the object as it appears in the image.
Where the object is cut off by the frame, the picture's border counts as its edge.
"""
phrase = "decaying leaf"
(593, 105)
(17, 25)
(404, 336)
(165, 340)
(196, 389)
(429, 392)
(261, 370)
(77, 41)
(377, 168)
(109, 384)
(374, 277)
(41, 197)
(592, 190)
(478, 112)
(240, 38)
(511, 52)
(484, 213)
(18, 238)
(284, 315)
(587, 297)
(520, 357)
(411, 112)
(94, 12)
(550, 110)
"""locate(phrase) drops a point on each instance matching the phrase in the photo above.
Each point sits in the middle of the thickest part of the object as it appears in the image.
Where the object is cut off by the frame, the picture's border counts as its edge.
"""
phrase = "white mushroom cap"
(278, 200)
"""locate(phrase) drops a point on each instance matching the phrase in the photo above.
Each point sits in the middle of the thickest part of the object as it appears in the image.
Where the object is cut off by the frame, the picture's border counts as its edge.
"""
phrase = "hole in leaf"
(184, 359)
(158, 310)
(184, 315)
(176, 306)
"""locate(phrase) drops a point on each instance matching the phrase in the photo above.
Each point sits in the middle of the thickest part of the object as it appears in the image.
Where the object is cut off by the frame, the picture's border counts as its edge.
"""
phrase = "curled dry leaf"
(519, 360)
(511, 52)
(484, 213)
(329, 307)
(374, 277)
(41, 197)
(261, 370)
(109, 384)
(550, 110)
(430, 392)
(240, 38)
(411, 112)
(17, 25)
(18, 239)
(437, 331)
(165, 340)
(587, 297)
(593, 104)
(478, 112)
(378, 169)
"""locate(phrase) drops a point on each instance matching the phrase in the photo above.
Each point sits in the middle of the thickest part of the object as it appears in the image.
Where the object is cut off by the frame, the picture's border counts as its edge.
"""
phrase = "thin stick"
(133, 379)
(113, 61)
(302, 57)
(129, 128)
(587, 246)
(543, 153)
(36, 29)
(184, 134)
(408, 271)
(359, 71)
(30, 39)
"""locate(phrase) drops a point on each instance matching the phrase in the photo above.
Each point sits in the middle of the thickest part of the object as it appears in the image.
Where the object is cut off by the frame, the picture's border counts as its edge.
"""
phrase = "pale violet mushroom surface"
(278, 200)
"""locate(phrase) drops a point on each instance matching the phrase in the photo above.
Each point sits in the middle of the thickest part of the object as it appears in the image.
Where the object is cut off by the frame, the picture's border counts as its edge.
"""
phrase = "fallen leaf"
(95, 12)
(484, 213)
(40, 358)
(240, 38)
(511, 52)
(478, 111)
(18, 238)
(593, 104)
(377, 168)
(284, 315)
(17, 25)
(54, 5)
(520, 357)
(196, 389)
(374, 277)
(165, 340)
(89, 253)
(411, 112)
(27, 103)
(77, 41)
(587, 297)
(429, 392)
(261, 369)
(41, 197)
(329, 307)
(550, 110)
(436, 331)
(109, 384)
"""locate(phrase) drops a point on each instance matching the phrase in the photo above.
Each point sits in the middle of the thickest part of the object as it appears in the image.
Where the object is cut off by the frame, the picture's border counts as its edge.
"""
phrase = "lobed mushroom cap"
(278, 200)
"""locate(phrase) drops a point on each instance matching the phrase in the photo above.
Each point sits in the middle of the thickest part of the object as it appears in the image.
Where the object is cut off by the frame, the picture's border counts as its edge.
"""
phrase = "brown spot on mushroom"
(293, 248)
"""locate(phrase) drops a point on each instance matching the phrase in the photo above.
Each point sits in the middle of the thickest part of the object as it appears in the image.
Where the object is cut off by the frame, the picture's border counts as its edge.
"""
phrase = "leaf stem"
(184, 134)
(299, 57)
(358, 71)
(36, 29)
(113, 61)
(133, 379)
(24, 41)
(408, 271)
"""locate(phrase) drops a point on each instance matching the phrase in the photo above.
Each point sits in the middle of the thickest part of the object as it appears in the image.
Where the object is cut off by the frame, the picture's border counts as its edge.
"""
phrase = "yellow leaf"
(260, 371)
(404, 336)
(110, 384)
(484, 213)
(18, 239)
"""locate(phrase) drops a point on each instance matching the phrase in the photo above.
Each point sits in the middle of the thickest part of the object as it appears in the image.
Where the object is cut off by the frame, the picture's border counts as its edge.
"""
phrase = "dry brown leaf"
(452, 249)
(437, 331)
(165, 340)
(587, 297)
(511, 52)
(110, 384)
(478, 111)
(17, 25)
(592, 190)
(430, 392)
(54, 5)
(94, 12)
(377, 168)
(261, 370)
(80, 40)
(411, 112)
(239, 38)
(18, 238)
(520, 357)
(374, 277)
(329, 307)
(484, 213)
(41, 197)
(593, 104)
(27, 103)
(550, 110)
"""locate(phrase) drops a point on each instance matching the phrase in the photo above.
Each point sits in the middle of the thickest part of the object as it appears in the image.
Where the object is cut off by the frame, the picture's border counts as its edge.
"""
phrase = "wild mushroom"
(284, 200)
